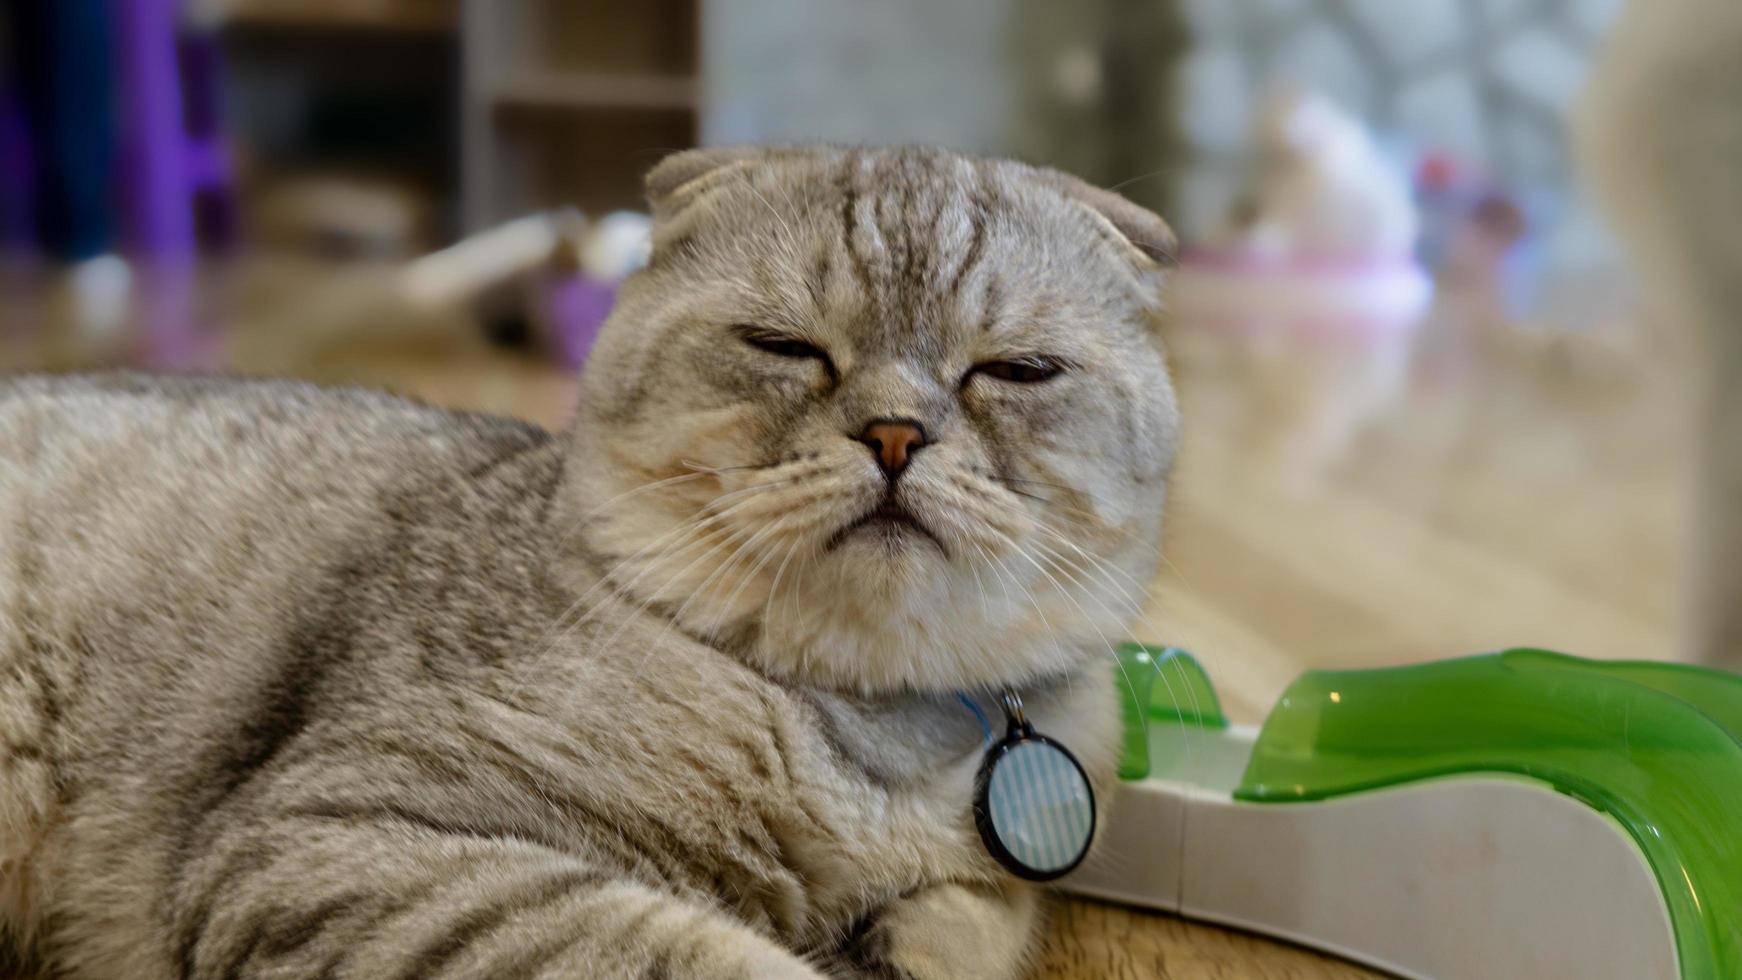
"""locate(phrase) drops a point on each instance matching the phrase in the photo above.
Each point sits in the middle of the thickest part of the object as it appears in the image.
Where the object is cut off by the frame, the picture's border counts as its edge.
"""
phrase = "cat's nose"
(893, 442)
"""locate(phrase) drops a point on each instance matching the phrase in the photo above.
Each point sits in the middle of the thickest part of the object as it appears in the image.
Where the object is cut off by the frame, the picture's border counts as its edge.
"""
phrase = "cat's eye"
(1022, 370)
(781, 345)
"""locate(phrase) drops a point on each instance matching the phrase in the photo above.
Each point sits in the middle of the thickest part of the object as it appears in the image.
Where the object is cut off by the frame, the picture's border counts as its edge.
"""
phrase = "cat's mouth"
(888, 520)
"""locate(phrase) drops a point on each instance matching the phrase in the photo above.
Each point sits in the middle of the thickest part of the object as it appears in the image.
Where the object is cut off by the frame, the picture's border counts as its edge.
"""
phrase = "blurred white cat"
(1322, 188)
(1311, 281)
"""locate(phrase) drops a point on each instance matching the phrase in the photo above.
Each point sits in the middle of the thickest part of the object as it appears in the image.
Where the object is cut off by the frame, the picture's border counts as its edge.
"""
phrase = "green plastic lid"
(1655, 746)
(1162, 684)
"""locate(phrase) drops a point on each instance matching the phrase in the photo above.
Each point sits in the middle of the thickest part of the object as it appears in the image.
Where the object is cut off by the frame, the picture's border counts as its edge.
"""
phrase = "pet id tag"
(1033, 803)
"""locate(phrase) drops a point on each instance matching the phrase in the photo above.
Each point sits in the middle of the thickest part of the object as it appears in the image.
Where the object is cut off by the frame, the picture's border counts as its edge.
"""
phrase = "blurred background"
(1425, 414)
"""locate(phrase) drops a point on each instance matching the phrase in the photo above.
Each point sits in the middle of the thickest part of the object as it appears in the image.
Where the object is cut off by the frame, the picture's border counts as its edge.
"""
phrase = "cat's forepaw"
(957, 932)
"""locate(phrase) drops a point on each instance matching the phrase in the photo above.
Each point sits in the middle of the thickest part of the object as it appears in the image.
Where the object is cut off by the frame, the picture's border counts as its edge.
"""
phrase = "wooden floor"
(1331, 508)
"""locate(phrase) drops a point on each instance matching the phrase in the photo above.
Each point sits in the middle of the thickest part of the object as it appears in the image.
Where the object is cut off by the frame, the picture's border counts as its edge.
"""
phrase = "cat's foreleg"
(971, 932)
(380, 895)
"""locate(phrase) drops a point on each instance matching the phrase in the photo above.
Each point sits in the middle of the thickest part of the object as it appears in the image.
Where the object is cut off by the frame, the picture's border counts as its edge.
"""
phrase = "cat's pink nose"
(893, 441)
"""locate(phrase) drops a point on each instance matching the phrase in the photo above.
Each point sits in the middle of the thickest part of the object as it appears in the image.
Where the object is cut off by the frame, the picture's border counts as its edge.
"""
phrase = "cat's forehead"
(911, 237)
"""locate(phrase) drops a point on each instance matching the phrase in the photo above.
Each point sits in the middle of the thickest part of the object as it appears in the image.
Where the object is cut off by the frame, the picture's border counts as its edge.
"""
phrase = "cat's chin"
(890, 557)
(888, 615)
(922, 661)
(889, 533)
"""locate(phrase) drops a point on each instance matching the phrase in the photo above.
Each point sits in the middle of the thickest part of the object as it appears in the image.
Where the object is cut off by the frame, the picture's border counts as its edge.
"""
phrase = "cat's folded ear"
(679, 180)
(1140, 228)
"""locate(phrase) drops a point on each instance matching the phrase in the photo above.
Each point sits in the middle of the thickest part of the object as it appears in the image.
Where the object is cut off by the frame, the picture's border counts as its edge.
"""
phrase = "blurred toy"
(442, 295)
(547, 279)
(61, 89)
(1323, 236)
(93, 78)
(569, 305)
(342, 216)
(1479, 238)
(579, 286)
(1323, 189)
(1518, 814)
(177, 169)
(17, 176)
(1312, 279)
(617, 245)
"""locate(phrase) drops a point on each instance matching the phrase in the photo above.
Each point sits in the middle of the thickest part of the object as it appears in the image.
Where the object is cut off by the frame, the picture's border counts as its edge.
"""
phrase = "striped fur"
(301, 682)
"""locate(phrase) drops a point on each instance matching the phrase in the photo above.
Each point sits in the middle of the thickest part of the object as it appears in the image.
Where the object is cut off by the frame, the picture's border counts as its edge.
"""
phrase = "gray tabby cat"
(299, 682)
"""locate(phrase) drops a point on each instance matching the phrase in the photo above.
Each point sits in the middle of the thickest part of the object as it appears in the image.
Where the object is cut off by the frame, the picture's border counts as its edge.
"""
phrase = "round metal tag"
(1034, 806)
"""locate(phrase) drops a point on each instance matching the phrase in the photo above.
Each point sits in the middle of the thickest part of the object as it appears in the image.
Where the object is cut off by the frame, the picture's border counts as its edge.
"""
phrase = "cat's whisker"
(703, 521)
(701, 589)
(810, 556)
(980, 588)
(725, 613)
(733, 538)
(729, 539)
(991, 564)
(1067, 594)
(746, 491)
(1141, 588)
(1033, 602)
(562, 628)
(749, 576)
(791, 239)
(774, 589)
(711, 514)
(605, 579)
(676, 541)
(1173, 695)
(1089, 556)
(677, 615)
(580, 524)
(1060, 487)
(1140, 613)
(708, 470)
(1039, 483)
(1151, 175)
(1101, 567)
(592, 512)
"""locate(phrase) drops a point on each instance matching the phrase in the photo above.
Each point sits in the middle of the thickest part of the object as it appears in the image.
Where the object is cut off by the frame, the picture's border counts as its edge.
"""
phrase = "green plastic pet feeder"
(1519, 814)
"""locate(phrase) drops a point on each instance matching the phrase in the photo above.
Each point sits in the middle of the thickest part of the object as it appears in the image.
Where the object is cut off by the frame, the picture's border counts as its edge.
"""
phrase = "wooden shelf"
(389, 16)
(555, 88)
(567, 102)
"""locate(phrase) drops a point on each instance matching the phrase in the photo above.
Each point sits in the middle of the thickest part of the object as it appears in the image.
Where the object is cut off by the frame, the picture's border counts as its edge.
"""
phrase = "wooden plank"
(387, 16)
(1095, 941)
(559, 88)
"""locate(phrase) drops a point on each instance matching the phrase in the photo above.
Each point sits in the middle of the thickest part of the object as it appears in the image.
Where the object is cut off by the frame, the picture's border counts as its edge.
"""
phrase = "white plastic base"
(1467, 878)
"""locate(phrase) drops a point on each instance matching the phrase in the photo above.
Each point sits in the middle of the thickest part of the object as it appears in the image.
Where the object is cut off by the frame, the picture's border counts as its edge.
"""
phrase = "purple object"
(17, 177)
(576, 305)
(173, 157)
(209, 171)
(176, 174)
(154, 158)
